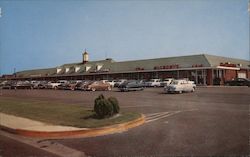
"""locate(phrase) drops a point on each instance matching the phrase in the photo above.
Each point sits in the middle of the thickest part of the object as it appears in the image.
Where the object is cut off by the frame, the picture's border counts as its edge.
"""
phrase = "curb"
(89, 132)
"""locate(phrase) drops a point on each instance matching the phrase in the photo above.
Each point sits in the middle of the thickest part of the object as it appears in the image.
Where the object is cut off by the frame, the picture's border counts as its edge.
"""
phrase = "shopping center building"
(204, 69)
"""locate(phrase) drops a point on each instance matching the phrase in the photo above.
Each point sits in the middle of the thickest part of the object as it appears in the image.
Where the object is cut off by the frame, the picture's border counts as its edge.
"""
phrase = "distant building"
(11, 76)
(204, 69)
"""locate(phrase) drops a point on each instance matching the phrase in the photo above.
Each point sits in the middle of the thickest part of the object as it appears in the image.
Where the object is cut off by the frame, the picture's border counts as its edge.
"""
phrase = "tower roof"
(85, 52)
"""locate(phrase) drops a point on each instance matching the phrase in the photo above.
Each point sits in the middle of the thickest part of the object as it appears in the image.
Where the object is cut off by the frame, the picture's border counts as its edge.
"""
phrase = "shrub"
(103, 108)
(106, 107)
(115, 104)
(96, 101)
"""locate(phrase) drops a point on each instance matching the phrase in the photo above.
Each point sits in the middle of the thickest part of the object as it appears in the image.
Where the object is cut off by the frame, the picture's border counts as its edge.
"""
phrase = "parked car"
(192, 83)
(82, 85)
(23, 85)
(142, 83)
(131, 85)
(63, 86)
(179, 86)
(112, 82)
(153, 83)
(166, 82)
(119, 82)
(238, 82)
(72, 85)
(39, 84)
(98, 85)
(7, 85)
(55, 84)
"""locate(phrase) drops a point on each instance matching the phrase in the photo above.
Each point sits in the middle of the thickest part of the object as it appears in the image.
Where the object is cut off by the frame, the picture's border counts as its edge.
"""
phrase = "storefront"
(203, 69)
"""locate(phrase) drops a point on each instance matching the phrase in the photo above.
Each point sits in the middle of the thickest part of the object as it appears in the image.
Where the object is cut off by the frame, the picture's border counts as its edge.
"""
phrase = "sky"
(42, 34)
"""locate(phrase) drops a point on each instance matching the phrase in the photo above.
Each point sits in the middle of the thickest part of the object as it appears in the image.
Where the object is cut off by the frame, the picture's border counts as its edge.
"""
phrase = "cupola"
(85, 57)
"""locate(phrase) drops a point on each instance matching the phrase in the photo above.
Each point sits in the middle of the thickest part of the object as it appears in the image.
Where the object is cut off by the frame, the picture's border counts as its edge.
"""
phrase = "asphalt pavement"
(209, 122)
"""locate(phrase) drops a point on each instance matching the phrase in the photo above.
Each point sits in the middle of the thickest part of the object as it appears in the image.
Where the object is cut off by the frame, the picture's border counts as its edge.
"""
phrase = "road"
(209, 122)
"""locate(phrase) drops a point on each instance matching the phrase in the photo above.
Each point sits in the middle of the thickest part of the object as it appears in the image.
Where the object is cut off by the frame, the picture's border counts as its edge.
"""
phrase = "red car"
(98, 85)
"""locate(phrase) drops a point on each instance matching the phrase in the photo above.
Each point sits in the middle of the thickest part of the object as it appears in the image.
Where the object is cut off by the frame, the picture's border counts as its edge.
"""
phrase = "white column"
(204, 77)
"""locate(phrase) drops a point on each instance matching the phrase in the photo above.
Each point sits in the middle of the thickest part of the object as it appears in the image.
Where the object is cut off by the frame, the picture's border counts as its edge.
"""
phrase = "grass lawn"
(59, 113)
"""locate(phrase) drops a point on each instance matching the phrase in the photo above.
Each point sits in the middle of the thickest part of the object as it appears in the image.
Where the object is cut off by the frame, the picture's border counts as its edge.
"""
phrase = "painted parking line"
(159, 116)
(136, 106)
(153, 114)
(151, 117)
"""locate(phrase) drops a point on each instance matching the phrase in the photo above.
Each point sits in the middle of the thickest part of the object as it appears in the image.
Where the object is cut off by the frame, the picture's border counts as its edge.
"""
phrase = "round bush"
(103, 108)
(96, 101)
(115, 104)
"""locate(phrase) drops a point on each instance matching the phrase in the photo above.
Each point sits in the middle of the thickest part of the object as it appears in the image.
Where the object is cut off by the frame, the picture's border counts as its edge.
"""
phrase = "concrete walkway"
(31, 128)
(16, 122)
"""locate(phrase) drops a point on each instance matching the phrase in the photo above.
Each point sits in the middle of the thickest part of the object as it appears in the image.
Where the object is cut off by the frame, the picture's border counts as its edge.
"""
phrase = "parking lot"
(211, 121)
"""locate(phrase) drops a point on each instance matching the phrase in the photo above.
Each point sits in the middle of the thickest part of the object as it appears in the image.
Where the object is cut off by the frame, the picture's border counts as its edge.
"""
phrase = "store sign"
(174, 66)
(227, 64)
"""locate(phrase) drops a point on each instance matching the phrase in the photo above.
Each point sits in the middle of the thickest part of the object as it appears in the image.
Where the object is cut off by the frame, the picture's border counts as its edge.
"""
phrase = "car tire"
(180, 92)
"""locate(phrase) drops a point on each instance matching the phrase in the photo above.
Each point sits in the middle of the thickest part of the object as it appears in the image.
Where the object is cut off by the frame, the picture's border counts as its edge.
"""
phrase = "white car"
(179, 86)
(112, 82)
(192, 82)
(54, 85)
(153, 83)
(166, 82)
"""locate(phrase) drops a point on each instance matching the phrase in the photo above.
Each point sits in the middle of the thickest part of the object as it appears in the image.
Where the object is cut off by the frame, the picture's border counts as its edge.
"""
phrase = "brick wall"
(209, 77)
(230, 74)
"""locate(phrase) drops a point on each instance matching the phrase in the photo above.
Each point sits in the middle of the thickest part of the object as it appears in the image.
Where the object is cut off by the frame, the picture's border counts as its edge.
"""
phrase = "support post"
(196, 77)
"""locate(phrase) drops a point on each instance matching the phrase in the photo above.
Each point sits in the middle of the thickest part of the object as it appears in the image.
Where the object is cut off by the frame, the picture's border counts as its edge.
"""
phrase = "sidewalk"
(31, 128)
(15, 122)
